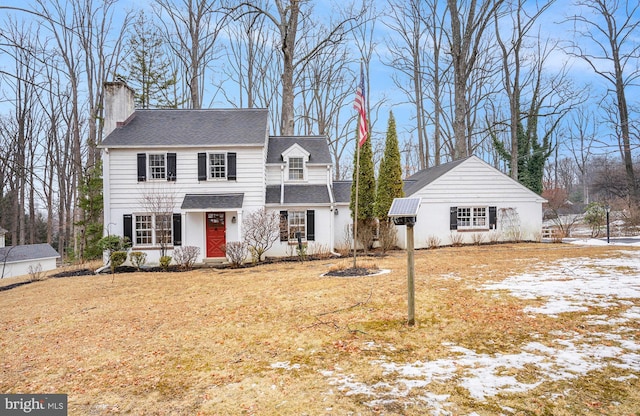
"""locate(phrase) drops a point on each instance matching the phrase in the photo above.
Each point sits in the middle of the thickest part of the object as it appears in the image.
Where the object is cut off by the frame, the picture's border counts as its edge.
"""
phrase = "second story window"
(296, 169)
(157, 166)
(217, 166)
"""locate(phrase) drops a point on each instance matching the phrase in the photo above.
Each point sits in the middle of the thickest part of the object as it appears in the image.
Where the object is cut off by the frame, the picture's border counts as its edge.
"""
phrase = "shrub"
(366, 234)
(301, 250)
(138, 259)
(236, 252)
(117, 259)
(320, 251)
(595, 216)
(165, 261)
(186, 256)
(477, 238)
(433, 241)
(112, 244)
(494, 236)
(456, 239)
(388, 237)
(35, 273)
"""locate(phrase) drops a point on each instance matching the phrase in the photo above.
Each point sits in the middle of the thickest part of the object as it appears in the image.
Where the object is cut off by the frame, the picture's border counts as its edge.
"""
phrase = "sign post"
(404, 211)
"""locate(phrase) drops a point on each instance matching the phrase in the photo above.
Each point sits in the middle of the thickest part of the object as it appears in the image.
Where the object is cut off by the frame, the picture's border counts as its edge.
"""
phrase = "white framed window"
(296, 169)
(163, 229)
(157, 166)
(153, 229)
(470, 218)
(143, 230)
(297, 224)
(217, 165)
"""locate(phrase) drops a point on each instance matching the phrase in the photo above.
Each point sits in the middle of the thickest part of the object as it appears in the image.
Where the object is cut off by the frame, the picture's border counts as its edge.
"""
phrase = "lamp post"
(607, 208)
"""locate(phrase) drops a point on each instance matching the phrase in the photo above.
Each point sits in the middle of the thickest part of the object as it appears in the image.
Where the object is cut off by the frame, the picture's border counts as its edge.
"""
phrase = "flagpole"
(355, 217)
(361, 137)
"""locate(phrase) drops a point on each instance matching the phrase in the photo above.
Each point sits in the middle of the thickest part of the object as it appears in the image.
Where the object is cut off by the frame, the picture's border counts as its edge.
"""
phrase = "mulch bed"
(352, 272)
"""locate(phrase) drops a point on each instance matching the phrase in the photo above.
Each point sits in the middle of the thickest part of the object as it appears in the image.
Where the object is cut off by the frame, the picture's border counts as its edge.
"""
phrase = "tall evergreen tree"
(390, 175)
(90, 202)
(366, 183)
(149, 71)
(366, 195)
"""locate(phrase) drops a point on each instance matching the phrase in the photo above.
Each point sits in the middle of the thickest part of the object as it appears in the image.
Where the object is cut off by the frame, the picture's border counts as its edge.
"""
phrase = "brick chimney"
(118, 105)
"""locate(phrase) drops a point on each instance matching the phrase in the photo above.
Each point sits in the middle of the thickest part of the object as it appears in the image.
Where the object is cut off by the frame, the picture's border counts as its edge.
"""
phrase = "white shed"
(23, 260)
(468, 201)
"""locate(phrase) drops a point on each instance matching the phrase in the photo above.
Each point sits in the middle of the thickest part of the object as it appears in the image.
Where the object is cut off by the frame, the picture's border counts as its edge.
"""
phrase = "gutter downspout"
(282, 185)
(331, 211)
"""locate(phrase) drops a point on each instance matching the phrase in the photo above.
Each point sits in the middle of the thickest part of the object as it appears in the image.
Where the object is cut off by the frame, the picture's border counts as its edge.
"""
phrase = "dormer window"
(295, 160)
(296, 169)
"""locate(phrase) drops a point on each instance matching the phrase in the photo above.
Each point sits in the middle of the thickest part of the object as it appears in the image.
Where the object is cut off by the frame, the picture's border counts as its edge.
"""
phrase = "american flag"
(362, 111)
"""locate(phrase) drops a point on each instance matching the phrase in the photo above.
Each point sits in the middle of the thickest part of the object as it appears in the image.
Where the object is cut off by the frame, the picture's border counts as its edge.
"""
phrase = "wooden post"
(410, 276)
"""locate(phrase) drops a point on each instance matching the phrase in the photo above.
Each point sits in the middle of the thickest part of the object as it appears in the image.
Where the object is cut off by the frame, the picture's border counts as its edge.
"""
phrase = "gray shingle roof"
(342, 191)
(299, 194)
(27, 252)
(317, 146)
(167, 128)
(424, 177)
(212, 201)
(3, 231)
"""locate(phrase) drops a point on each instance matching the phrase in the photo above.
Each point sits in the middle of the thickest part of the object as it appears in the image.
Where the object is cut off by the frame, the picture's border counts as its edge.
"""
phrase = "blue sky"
(381, 85)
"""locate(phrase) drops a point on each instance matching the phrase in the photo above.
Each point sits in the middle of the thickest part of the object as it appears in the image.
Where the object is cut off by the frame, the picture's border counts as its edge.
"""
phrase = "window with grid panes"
(297, 220)
(472, 218)
(157, 166)
(144, 230)
(217, 165)
(163, 229)
(296, 168)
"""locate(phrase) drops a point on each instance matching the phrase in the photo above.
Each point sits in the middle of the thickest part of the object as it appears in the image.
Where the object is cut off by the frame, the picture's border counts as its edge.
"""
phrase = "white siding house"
(177, 178)
(470, 201)
(188, 178)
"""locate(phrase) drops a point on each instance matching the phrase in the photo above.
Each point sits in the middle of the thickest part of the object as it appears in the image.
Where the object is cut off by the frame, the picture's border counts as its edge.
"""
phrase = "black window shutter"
(284, 226)
(493, 218)
(311, 225)
(231, 166)
(177, 229)
(128, 227)
(142, 167)
(202, 166)
(453, 218)
(171, 167)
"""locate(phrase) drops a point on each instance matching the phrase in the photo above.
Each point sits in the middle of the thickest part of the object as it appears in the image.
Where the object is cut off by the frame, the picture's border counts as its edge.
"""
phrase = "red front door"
(215, 234)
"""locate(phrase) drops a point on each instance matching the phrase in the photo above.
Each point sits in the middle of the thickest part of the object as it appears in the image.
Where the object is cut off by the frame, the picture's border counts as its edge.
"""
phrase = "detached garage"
(469, 201)
(22, 260)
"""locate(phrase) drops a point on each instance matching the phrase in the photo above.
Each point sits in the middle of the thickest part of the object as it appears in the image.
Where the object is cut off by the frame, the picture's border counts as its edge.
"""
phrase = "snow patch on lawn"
(568, 286)
(578, 284)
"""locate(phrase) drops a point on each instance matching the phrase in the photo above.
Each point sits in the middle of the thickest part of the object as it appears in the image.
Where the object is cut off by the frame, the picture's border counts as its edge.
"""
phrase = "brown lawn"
(269, 340)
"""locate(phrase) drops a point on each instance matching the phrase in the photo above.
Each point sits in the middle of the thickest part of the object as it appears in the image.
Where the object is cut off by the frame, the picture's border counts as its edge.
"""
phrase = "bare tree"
(581, 142)
(514, 74)
(261, 230)
(468, 22)
(409, 58)
(159, 204)
(608, 30)
(301, 37)
(191, 29)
